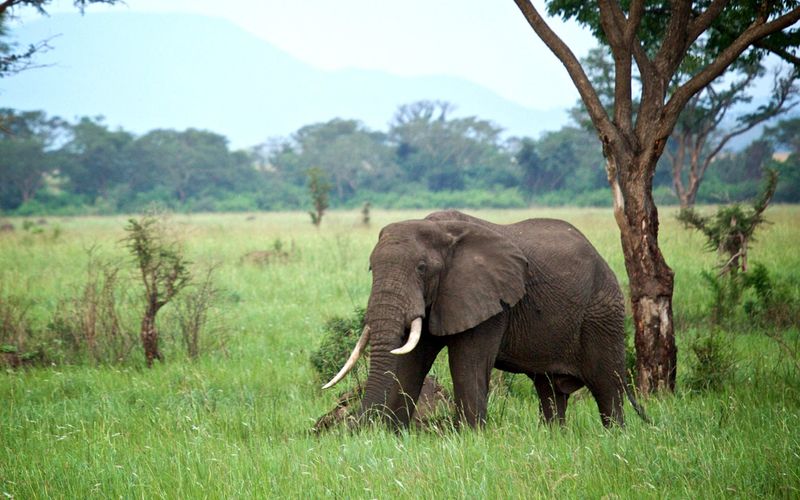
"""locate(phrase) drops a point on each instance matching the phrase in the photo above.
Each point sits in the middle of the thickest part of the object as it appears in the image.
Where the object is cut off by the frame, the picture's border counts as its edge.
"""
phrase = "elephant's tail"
(635, 404)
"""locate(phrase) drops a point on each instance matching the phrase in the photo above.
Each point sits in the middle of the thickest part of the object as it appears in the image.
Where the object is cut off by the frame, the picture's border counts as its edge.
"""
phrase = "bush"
(195, 316)
(15, 331)
(749, 298)
(770, 303)
(596, 198)
(423, 198)
(712, 363)
(93, 324)
(339, 337)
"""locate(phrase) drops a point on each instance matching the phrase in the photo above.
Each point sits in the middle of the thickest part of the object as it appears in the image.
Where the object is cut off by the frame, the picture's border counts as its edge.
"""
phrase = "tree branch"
(756, 31)
(615, 27)
(782, 53)
(7, 5)
(783, 95)
(701, 23)
(673, 47)
(587, 92)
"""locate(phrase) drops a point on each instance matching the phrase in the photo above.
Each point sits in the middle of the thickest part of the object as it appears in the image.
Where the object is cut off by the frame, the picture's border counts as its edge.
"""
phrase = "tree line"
(427, 158)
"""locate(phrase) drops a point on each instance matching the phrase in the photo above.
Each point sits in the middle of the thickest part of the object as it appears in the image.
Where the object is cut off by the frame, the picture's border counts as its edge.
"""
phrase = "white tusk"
(351, 361)
(413, 338)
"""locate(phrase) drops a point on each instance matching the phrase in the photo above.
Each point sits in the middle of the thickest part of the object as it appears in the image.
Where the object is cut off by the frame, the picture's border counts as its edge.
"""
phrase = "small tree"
(164, 271)
(731, 229)
(318, 187)
(365, 217)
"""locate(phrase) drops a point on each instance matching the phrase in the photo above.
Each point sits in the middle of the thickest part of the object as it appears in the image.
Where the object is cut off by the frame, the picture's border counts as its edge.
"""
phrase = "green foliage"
(15, 329)
(97, 324)
(410, 198)
(365, 213)
(731, 228)
(164, 271)
(318, 188)
(713, 362)
(339, 337)
(731, 22)
(237, 426)
(743, 300)
(569, 160)
(427, 159)
(726, 294)
(196, 317)
(771, 302)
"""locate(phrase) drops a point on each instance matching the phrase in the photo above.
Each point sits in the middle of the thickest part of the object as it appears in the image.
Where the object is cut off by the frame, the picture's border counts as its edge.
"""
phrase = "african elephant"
(532, 297)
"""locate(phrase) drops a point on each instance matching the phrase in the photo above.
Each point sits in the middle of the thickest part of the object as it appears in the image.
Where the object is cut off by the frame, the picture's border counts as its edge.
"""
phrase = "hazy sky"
(485, 41)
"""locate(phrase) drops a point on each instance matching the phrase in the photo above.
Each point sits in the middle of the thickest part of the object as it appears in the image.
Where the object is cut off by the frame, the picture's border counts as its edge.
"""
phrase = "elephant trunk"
(388, 316)
(383, 390)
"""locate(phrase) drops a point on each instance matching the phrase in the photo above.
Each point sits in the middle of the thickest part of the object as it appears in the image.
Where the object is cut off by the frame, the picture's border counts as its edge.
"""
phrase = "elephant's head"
(454, 274)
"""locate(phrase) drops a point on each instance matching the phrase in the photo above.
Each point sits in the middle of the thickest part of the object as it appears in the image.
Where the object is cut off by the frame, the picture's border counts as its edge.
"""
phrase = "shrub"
(318, 188)
(712, 363)
(92, 323)
(15, 331)
(193, 311)
(338, 339)
(164, 271)
(770, 302)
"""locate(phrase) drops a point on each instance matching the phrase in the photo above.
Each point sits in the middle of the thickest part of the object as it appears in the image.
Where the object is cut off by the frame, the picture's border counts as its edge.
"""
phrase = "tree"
(449, 153)
(700, 133)
(97, 158)
(567, 159)
(697, 140)
(658, 36)
(12, 62)
(318, 188)
(352, 156)
(785, 137)
(187, 163)
(26, 154)
(731, 228)
(164, 271)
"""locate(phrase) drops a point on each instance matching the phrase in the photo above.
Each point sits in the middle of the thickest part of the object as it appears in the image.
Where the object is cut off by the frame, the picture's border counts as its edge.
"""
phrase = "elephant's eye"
(422, 267)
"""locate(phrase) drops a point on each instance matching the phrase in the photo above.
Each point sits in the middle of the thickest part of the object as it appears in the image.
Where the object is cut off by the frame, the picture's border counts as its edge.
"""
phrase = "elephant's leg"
(472, 355)
(411, 371)
(552, 402)
(608, 391)
(603, 332)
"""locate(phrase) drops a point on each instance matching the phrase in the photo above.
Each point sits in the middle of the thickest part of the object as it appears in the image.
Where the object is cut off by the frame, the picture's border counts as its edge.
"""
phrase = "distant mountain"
(146, 71)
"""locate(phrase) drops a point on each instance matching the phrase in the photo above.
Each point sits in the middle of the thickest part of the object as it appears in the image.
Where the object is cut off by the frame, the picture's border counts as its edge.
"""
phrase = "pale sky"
(484, 41)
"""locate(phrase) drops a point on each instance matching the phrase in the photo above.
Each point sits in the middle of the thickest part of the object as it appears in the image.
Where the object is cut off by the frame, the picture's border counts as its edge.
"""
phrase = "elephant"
(533, 297)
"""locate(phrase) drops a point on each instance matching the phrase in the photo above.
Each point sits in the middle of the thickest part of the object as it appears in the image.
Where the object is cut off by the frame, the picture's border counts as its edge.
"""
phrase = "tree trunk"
(149, 336)
(650, 278)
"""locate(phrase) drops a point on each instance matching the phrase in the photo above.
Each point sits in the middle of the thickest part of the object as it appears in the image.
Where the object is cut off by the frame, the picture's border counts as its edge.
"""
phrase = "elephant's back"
(556, 247)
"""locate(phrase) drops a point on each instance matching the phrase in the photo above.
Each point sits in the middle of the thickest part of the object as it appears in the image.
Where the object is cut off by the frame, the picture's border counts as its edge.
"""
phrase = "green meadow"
(235, 422)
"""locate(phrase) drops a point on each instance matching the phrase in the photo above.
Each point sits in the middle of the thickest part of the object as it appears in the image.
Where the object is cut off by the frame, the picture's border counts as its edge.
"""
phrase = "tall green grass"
(235, 423)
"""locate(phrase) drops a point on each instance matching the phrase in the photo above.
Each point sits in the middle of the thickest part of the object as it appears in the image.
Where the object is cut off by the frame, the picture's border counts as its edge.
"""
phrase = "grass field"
(235, 422)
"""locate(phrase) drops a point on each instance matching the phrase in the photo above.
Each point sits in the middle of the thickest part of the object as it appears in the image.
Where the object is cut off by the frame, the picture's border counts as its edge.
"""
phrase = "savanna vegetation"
(426, 158)
(231, 416)
(187, 361)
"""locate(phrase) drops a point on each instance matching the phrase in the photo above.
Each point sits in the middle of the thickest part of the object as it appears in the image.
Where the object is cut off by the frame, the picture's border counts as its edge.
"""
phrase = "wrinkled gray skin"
(532, 297)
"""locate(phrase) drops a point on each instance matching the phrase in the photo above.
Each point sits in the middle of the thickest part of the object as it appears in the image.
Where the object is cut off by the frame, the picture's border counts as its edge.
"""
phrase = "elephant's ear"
(484, 272)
